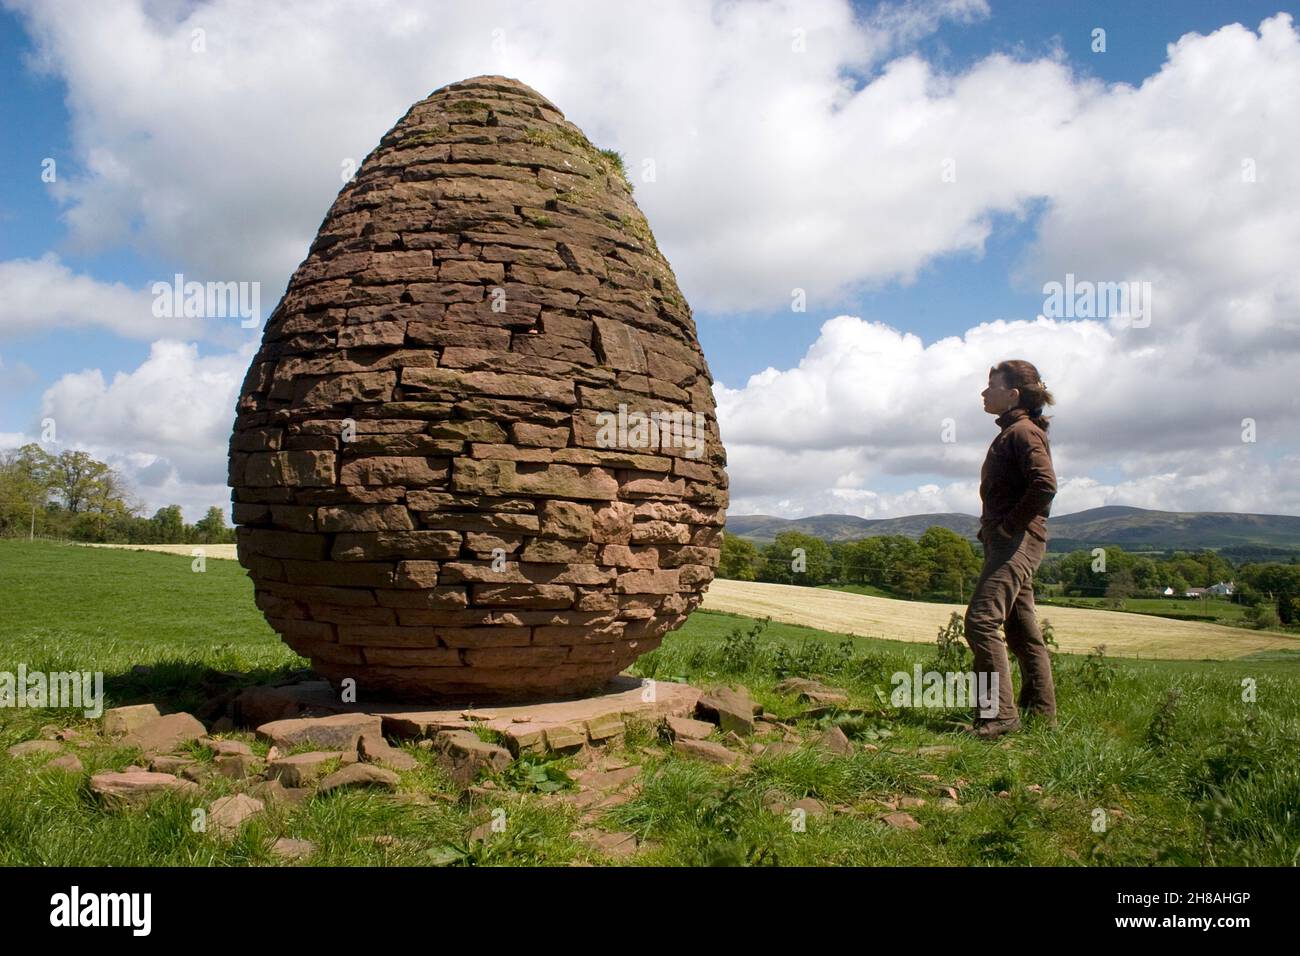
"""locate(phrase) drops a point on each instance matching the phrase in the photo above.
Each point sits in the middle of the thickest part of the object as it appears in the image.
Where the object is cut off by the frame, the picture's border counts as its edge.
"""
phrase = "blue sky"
(954, 289)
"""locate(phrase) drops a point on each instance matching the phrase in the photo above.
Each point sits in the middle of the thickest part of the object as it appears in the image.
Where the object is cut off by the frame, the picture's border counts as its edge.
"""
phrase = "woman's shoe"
(992, 728)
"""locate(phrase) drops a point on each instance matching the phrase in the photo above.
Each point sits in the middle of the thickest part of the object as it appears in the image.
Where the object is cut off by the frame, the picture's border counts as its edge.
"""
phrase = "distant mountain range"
(1250, 536)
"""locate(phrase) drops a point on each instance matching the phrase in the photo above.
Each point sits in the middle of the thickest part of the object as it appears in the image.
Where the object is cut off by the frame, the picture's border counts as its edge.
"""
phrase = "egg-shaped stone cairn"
(476, 455)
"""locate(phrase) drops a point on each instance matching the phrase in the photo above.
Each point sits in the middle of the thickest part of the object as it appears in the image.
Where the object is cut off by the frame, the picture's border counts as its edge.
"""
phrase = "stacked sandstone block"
(425, 499)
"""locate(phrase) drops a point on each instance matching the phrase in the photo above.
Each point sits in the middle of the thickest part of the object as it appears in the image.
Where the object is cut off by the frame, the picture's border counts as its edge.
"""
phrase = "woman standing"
(1017, 484)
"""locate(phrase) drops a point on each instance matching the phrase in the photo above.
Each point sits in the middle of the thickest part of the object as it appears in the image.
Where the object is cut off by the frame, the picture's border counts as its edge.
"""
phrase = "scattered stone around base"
(227, 814)
(464, 754)
(302, 769)
(29, 747)
(901, 821)
(359, 775)
(227, 748)
(123, 720)
(618, 845)
(687, 728)
(708, 750)
(836, 741)
(731, 709)
(811, 806)
(812, 692)
(199, 773)
(604, 780)
(168, 763)
(264, 704)
(373, 748)
(70, 763)
(273, 791)
(565, 738)
(239, 766)
(164, 734)
(336, 732)
(136, 788)
(287, 848)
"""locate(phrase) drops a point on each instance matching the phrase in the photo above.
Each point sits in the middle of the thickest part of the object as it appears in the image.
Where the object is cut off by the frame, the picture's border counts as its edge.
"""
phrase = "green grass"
(1215, 610)
(1198, 775)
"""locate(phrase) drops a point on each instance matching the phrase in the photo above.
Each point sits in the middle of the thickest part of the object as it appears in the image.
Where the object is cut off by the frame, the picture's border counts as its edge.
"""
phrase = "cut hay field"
(224, 552)
(1077, 630)
(1183, 769)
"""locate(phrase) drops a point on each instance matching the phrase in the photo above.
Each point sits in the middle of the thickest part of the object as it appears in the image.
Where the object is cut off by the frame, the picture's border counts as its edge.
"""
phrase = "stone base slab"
(537, 727)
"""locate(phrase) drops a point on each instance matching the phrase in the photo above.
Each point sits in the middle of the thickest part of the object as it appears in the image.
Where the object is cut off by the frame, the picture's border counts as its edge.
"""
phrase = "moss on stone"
(426, 137)
(469, 106)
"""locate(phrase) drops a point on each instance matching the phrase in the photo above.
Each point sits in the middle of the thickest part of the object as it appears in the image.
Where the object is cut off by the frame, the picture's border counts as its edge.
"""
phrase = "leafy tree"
(953, 561)
(23, 493)
(863, 562)
(1263, 615)
(739, 560)
(1119, 588)
(792, 549)
(71, 494)
(78, 481)
(914, 578)
(211, 528)
(170, 524)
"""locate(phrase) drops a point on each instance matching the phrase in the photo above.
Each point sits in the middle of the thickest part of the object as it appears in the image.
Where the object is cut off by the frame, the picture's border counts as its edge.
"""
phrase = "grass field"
(1167, 754)
(1081, 623)
(1211, 609)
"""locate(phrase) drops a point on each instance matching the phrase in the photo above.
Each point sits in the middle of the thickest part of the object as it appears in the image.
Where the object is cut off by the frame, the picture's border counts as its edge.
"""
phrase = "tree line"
(72, 495)
(940, 562)
(943, 565)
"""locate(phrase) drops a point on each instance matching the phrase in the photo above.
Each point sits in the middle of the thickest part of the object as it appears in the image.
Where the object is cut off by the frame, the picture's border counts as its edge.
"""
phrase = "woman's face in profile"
(997, 397)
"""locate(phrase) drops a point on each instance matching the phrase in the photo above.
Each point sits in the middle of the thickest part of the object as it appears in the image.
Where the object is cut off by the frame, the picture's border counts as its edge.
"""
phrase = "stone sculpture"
(446, 477)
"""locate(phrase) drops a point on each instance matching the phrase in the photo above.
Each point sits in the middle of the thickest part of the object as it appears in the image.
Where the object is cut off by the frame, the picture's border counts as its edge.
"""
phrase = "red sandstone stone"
(428, 495)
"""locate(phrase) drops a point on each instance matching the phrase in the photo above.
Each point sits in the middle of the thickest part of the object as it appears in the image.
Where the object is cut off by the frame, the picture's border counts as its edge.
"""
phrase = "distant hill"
(764, 528)
(1248, 536)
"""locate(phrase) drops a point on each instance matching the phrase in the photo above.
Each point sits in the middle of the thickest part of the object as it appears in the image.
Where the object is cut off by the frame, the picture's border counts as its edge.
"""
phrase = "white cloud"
(868, 404)
(165, 425)
(773, 169)
(776, 169)
(41, 295)
(228, 158)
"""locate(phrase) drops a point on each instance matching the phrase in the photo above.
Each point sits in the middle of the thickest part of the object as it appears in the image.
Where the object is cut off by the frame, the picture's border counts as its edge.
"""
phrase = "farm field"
(1077, 630)
(1183, 770)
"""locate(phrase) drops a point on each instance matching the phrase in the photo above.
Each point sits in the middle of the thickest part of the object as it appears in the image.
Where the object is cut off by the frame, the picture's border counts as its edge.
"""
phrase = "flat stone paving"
(539, 726)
